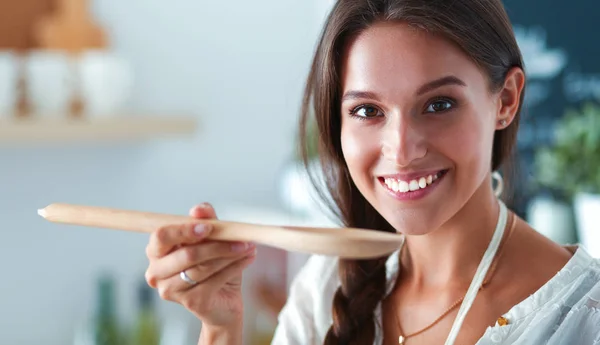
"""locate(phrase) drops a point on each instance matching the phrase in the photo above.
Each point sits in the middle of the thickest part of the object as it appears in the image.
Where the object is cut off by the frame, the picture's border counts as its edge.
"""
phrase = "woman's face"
(418, 121)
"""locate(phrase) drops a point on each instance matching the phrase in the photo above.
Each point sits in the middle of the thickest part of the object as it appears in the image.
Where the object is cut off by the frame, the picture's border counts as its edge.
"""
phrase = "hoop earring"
(499, 183)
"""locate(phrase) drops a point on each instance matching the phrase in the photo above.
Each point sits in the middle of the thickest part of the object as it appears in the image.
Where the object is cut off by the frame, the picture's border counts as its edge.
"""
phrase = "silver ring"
(187, 279)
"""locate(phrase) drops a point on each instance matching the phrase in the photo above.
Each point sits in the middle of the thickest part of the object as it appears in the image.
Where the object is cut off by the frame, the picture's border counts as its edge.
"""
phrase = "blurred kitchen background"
(157, 106)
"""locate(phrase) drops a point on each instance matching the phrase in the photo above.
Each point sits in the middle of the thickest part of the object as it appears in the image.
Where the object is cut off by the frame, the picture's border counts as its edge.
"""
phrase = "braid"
(363, 283)
(362, 288)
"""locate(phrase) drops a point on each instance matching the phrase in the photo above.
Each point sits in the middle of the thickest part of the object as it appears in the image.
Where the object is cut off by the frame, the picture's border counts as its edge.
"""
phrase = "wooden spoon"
(349, 243)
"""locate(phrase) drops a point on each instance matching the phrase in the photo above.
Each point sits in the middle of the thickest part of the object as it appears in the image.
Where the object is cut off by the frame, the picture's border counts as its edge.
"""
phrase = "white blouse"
(566, 310)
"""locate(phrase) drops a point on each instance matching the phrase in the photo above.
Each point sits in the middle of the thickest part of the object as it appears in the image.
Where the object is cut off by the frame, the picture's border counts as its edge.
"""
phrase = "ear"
(510, 97)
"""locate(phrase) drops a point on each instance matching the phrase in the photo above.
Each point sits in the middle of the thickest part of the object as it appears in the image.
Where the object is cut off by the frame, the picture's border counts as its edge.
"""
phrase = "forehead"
(396, 56)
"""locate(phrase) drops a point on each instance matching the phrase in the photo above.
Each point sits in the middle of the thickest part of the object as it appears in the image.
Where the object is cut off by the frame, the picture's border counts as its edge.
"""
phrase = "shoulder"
(581, 324)
(571, 312)
(306, 316)
(319, 267)
(315, 284)
(584, 273)
(577, 285)
(566, 310)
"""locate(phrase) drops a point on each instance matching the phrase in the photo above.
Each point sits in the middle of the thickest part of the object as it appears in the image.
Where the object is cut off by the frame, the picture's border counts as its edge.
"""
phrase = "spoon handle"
(343, 242)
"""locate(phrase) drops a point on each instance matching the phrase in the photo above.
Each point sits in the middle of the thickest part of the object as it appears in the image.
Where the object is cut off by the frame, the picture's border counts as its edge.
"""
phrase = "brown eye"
(439, 106)
(367, 111)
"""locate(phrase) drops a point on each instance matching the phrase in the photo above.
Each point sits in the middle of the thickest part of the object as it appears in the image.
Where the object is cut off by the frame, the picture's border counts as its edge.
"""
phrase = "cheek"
(469, 145)
(360, 149)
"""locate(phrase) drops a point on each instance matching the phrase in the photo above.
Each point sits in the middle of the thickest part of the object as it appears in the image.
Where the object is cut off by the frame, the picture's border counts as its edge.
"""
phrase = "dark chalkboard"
(559, 41)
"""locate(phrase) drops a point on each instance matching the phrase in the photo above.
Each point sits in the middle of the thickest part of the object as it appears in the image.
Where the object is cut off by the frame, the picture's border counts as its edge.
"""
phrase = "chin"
(413, 222)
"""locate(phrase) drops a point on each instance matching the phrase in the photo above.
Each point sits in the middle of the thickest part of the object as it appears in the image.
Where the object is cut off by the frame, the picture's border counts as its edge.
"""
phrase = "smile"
(415, 187)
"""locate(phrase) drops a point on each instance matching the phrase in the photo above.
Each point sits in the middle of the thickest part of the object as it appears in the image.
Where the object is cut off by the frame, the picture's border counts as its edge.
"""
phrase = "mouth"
(413, 188)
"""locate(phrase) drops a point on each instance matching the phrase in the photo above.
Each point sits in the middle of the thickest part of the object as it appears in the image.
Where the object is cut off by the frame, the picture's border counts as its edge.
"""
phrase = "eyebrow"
(432, 85)
(359, 95)
(428, 87)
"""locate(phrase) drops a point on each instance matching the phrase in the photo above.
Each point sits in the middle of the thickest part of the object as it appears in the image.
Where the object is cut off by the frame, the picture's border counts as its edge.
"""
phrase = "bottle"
(105, 324)
(146, 330)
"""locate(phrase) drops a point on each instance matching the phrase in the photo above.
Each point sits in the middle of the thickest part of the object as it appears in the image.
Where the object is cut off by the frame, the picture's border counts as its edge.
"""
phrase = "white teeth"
(395, 185)
(413, 185)
(403, 186)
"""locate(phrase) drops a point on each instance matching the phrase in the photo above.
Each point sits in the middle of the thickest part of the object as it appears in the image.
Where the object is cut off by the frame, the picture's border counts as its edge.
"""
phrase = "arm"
(221, 336)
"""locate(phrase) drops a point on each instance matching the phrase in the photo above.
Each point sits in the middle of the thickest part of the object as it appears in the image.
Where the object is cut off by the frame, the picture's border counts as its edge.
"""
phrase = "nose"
(403, 143)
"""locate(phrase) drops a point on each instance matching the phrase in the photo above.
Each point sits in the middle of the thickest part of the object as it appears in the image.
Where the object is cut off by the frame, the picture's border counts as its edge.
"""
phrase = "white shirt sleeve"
(306, 316)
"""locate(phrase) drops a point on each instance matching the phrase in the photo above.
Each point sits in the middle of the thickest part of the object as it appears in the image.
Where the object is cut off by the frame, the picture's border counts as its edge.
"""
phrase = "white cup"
(105, 81)
(50, 83)
(9, 83)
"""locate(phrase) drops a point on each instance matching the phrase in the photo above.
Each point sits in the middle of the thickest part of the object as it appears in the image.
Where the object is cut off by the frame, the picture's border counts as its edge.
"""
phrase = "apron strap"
(482, 270)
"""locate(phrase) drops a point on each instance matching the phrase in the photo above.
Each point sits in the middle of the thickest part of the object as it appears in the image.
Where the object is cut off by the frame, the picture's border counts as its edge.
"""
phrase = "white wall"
(237, 65)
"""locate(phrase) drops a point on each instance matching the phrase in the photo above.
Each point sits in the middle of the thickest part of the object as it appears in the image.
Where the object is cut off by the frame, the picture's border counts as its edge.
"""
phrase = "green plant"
(572, 164)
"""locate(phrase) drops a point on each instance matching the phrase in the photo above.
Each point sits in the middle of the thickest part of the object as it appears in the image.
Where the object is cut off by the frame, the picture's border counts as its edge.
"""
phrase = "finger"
(173, 288)
(203, 255)
(232, 271)
(204, 272)
(165, 239)
(203, 211)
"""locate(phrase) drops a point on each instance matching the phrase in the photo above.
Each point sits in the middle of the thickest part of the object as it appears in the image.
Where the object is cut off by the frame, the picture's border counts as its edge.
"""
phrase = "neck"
(449, 256)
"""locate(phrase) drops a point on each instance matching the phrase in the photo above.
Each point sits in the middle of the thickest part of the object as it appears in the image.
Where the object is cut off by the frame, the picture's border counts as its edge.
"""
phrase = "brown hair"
(481, 28)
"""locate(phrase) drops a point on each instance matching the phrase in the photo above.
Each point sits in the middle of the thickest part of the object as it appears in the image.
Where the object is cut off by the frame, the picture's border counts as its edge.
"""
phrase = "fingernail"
(239, 247)
(200, 229)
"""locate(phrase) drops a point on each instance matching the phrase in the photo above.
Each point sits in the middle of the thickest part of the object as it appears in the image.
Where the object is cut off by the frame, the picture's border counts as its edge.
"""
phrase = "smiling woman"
(418, 103)
(417, 106)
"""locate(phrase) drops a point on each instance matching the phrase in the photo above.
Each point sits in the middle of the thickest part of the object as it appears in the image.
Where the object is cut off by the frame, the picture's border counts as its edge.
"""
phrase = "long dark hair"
(481, 28)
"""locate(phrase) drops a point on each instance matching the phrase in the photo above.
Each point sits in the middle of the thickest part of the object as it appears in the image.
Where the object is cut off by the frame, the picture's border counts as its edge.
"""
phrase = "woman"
(417, 103)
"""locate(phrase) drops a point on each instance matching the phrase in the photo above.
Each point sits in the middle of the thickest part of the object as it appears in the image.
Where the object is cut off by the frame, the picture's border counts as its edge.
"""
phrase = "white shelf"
(109, 129)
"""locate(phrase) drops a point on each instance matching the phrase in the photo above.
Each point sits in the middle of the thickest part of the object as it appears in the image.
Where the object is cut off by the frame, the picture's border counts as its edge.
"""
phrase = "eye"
(439, 106)
(366, 111)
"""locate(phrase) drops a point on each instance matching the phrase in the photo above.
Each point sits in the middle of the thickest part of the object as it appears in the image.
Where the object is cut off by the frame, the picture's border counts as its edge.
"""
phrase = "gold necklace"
(403, 338)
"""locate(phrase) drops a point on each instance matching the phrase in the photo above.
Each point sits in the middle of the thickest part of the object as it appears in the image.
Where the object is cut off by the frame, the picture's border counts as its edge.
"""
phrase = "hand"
(215, 266)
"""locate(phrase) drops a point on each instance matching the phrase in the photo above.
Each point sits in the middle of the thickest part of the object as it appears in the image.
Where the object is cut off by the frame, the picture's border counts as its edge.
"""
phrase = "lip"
(414, 195)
